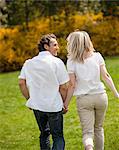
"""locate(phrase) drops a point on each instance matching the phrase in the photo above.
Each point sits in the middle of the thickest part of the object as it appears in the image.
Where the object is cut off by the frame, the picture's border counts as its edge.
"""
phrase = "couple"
(48, 88)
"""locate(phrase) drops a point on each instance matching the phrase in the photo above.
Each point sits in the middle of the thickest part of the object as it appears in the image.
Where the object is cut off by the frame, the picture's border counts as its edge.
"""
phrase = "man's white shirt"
(43, 74)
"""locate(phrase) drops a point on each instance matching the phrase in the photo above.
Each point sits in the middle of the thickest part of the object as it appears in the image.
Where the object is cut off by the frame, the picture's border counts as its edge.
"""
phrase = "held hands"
(65, 108)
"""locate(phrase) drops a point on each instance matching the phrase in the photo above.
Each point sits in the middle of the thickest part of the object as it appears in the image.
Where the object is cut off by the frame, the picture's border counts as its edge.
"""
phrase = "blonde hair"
(77, 43)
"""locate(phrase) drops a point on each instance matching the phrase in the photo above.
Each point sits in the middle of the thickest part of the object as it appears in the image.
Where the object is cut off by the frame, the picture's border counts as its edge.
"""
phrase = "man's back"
(44, 73)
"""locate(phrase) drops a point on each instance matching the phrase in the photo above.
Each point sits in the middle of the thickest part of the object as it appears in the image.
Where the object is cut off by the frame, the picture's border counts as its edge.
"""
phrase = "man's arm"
(23, 88)
(63, 91)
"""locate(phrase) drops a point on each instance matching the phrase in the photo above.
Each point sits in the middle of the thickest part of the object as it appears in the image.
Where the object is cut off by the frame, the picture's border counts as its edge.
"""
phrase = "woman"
(85, 66)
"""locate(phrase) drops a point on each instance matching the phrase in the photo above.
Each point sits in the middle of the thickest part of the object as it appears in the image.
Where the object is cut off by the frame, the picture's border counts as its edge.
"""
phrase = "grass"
(19, 131)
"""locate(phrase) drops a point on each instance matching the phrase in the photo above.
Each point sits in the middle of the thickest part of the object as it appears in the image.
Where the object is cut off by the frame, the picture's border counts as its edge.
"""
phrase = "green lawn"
(19, 131)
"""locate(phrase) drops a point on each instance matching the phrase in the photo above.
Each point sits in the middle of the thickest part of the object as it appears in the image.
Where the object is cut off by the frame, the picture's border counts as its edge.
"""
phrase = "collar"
(44, 53)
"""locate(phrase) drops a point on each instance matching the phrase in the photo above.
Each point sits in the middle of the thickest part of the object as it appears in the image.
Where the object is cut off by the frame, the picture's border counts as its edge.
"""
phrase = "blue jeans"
(50, 123)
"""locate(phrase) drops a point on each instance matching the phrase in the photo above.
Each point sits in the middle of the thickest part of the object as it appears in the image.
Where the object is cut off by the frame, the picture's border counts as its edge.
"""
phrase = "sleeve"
(22, 73)
(62, 73)
(70, 66)
(100, 59)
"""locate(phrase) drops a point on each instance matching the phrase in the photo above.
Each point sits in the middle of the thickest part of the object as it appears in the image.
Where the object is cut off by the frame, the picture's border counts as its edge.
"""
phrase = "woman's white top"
(87, 74)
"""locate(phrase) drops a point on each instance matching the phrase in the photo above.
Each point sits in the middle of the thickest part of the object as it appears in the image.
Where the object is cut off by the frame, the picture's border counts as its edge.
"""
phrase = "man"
(43, 82)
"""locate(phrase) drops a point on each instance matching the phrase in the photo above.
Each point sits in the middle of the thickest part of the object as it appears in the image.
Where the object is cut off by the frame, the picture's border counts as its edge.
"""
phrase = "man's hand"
(65, 109)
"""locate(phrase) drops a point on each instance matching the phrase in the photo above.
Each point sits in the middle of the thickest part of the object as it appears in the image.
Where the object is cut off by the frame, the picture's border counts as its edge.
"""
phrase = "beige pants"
(92, 109)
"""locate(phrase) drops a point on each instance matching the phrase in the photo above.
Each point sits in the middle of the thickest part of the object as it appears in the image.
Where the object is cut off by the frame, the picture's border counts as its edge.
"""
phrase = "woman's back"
(87, 74)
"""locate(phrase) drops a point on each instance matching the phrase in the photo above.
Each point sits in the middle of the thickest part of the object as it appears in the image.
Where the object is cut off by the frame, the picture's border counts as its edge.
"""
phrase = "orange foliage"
(17, 45)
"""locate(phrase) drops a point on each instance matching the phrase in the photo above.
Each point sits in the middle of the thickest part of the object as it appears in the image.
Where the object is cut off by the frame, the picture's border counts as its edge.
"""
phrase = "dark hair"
(45, 39)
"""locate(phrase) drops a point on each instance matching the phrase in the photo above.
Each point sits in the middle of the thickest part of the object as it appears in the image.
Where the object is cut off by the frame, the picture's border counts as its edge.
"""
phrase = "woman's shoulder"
(97, 54)
(99, 58)
(69, 60)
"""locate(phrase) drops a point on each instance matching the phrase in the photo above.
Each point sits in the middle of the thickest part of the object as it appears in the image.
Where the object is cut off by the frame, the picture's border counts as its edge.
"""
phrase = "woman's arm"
(71, 87)
(108, 80)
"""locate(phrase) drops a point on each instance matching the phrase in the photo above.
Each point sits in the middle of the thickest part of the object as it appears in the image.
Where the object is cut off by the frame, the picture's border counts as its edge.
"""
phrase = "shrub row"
(17, 45)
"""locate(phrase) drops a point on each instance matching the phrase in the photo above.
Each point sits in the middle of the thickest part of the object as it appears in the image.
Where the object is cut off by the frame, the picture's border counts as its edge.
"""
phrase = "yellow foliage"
(8, 32)
(17, 45)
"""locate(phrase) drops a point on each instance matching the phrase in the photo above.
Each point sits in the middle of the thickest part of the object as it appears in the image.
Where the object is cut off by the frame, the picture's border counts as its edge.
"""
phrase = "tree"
(3, 13)
(110, 8)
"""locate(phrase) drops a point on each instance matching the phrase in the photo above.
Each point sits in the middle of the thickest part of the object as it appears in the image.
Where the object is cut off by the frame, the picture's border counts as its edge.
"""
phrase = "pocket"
(80, 100)
(103, 98)
(106, 99)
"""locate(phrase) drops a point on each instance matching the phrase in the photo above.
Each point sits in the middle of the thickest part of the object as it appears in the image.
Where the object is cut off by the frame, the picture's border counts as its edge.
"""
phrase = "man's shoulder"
(29, 61)
(57, 59)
